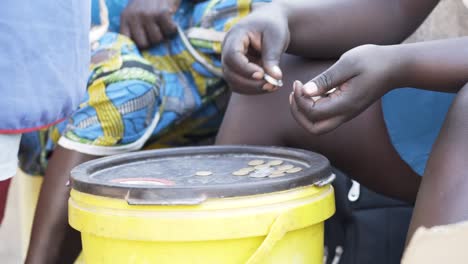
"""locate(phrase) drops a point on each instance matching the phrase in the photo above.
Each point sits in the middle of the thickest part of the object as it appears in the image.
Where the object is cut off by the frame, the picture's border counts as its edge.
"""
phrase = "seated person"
(170, 94)
(348, 125)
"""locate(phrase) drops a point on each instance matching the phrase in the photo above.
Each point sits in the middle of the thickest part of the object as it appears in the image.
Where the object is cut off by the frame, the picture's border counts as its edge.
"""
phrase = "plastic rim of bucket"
(213, 220)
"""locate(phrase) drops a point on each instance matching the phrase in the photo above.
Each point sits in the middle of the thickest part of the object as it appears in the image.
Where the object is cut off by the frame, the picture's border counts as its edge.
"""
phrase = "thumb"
(273, 46)
(333, 77)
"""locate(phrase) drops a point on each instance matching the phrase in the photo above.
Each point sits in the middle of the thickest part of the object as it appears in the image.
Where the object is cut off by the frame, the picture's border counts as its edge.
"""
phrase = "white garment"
(9, 146)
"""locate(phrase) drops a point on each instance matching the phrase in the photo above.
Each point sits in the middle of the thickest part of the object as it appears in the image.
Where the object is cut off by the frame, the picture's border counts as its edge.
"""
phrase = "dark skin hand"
(364, 74)
(313, 29)
(327, 29)
(148, 22)
(254, 44)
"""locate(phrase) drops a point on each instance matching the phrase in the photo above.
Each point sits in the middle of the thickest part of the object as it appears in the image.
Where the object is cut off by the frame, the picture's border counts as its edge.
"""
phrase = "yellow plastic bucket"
(284, 226)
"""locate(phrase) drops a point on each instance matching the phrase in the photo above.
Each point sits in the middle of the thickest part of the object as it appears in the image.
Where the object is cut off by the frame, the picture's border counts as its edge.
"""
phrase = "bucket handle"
(277, 231)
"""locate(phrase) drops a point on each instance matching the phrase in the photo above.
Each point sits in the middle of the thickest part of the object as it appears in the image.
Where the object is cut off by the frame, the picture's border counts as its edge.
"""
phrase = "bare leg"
(361, 147)
(443, 196)
(52, 239)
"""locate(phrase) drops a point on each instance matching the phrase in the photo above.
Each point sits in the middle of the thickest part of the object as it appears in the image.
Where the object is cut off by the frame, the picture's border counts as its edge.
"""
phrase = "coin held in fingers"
(273, 81)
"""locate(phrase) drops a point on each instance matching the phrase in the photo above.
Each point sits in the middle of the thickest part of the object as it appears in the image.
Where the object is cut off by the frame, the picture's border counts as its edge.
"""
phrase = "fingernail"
(290, 98)
(315, 98)
(276, 71)
(257, 75)
(296, 84)
(310, 88)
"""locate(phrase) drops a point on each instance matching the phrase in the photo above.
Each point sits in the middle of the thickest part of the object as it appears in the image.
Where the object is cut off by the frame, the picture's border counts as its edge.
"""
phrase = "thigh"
(444, 190)
(360, 147)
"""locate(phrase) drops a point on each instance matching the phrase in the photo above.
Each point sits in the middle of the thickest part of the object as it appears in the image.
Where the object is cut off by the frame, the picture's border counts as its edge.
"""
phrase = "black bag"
(367, 228)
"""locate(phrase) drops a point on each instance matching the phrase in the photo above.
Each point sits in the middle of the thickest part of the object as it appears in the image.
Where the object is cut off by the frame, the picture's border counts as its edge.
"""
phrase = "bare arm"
(436, 65)
(317, 29)
(326, 29)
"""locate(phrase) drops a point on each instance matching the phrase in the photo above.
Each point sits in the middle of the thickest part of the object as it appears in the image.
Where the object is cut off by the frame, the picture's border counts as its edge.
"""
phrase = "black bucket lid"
(191, 175)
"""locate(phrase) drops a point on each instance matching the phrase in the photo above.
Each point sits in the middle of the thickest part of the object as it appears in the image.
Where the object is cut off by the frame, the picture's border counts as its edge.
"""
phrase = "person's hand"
(359, 78)
(148, 22)
(254, 46)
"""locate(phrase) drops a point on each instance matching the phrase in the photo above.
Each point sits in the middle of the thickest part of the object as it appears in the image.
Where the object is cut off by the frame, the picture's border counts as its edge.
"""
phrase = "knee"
(461, 101)
(459, 109)
(463, 94)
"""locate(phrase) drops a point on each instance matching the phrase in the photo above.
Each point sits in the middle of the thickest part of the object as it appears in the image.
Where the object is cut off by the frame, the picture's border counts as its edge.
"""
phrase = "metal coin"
(262, 167)
(315, 98)
(203, 173)
(294, 170)
(240, 173)
(248, 169)
(275, 162)
(259, 174)
(273, 81)
(285, 167)
(331, 91)
(256, 162)
(275, 175)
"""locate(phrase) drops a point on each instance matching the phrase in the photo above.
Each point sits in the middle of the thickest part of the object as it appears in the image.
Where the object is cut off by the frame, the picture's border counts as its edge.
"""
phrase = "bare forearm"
(436, 65)
(328, 28)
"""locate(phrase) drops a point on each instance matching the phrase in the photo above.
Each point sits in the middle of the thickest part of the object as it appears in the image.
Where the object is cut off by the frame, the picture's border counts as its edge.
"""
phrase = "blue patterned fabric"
(161, 97)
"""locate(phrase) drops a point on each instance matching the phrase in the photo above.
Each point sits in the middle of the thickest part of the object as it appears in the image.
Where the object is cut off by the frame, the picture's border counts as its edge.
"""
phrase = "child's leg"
(443, 195)
(52, 239)
(118, 117)
(361, 147)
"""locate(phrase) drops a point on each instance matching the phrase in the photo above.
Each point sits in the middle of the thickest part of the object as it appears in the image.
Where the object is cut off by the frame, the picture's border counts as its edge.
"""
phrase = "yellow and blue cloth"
(169, 95)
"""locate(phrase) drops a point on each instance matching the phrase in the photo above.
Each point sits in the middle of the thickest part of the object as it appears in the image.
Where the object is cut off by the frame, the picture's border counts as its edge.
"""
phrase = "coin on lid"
(256, 162)
(275, 162)
(203, 173)
(294, 170)
(240, 173)
(285, 167)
